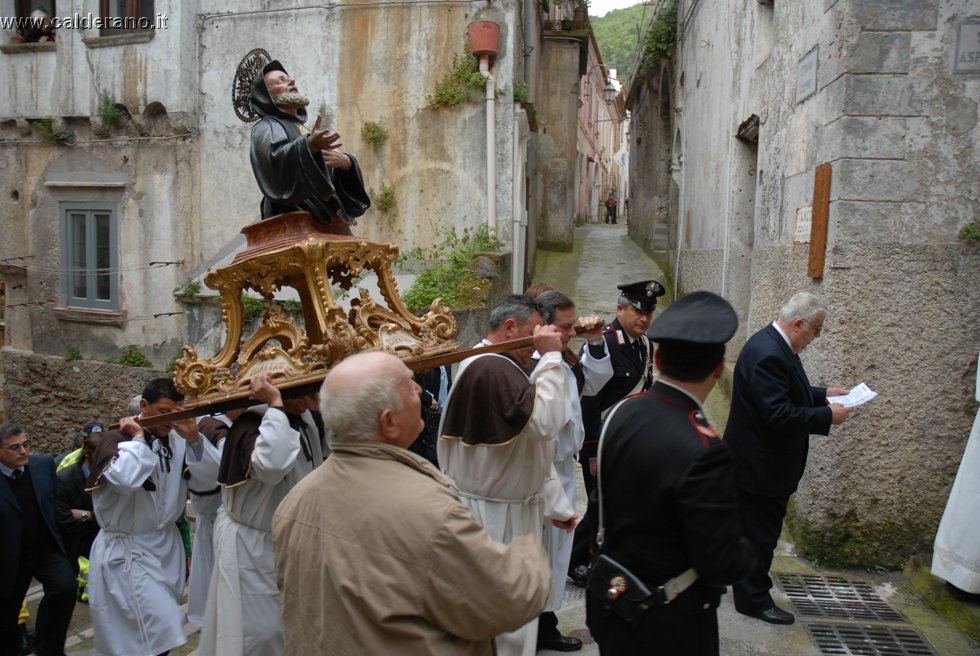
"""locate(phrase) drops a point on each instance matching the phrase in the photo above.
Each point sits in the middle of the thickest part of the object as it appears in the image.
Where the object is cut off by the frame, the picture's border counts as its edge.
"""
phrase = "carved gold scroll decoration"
(289, 250)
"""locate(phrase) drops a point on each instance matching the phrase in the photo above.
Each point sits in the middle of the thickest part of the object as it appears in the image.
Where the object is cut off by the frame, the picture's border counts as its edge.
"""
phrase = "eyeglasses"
(816, 329)
(20, 446)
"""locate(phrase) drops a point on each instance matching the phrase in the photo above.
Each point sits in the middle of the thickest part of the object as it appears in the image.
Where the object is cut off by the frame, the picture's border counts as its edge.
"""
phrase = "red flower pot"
(483, 37)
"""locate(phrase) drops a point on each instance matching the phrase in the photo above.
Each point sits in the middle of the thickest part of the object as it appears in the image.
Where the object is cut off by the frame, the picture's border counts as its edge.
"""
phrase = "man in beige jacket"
(374, 550)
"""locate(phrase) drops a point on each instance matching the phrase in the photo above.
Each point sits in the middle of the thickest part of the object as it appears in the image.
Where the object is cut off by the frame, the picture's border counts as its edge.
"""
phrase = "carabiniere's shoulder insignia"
(706, 429)
(701, 425)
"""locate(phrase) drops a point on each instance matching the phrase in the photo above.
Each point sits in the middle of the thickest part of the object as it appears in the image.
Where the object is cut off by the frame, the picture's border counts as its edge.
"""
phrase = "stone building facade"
(125, 171)
(757, 97)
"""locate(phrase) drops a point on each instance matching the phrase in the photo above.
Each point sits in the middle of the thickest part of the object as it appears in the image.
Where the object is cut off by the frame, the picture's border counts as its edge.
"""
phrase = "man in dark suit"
(774, 411)
(667, 491)
(31, 546)
(435, 383)
(73, 505)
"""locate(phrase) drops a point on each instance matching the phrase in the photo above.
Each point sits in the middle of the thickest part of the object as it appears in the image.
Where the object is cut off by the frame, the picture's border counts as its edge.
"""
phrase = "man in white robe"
(559, 311)
(496, 438)
(205, 504)
(137, 563)
(266, 452)
(956, 557)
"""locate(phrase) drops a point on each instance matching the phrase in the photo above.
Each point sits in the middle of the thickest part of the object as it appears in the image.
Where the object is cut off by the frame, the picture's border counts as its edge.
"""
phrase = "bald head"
(371, 397)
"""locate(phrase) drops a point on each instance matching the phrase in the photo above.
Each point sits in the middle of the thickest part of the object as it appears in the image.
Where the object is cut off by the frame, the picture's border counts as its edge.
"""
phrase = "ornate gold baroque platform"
(289, 250)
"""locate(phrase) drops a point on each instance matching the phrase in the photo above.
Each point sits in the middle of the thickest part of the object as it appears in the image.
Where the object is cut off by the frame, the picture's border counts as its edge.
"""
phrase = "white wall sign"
(804, 219)
(806, 76)
(966, 58)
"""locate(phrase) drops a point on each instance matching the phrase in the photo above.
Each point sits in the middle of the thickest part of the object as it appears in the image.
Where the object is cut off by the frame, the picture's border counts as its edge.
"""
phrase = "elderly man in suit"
(31, 546)
(774, 411)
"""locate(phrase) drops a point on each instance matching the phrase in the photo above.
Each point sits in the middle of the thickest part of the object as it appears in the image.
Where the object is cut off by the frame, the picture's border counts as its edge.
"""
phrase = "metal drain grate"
(836, 597)
(574, 594)
(878, 640)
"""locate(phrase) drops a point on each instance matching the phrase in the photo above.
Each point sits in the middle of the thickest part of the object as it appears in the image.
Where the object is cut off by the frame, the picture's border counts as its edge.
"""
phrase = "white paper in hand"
(860, 395)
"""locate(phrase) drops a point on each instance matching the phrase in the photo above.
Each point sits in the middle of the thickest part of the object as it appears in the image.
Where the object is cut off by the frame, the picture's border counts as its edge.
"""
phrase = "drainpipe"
(484, 37)
(517, 266)
(491, 98)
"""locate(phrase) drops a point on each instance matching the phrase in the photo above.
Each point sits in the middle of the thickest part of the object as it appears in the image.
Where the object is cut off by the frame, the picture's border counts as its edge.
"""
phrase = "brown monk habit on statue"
(300, 170)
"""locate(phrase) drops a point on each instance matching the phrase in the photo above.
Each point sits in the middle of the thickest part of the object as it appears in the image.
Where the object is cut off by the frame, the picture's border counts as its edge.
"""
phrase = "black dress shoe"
(560, 643)
(27, 641)
(579, 575)
(774, 615)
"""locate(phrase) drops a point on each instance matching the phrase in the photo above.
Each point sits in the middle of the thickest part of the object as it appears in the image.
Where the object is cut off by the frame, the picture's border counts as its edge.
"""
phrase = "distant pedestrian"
(611, 209)
(774, 411)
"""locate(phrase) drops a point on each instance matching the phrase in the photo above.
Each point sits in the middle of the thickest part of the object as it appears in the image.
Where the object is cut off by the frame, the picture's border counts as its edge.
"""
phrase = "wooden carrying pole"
(243, 400)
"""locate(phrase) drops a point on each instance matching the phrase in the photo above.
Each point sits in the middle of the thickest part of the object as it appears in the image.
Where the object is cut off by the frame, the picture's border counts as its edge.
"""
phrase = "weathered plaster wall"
(69, 80)
(650, 148)
(716, 85)
(906, 319)
(151, 211)
(145, 164)
(182, 157)
(372, 62)
(557, 142)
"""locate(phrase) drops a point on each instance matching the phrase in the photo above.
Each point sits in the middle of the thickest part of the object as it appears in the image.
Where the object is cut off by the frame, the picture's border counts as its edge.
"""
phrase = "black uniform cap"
(697, 318)
(93, 427)
(642, 295)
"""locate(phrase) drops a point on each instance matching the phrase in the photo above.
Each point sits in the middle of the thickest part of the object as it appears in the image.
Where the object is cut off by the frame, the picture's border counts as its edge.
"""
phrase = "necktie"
(16, 474)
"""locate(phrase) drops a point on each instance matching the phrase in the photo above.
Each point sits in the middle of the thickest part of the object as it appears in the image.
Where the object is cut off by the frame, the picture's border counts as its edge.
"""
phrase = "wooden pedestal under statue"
(291, 250)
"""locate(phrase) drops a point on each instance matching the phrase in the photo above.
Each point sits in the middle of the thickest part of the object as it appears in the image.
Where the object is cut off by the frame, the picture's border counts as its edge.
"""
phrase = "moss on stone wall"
(933, 592)
(473, 288)
(843, 539)
(561, 246)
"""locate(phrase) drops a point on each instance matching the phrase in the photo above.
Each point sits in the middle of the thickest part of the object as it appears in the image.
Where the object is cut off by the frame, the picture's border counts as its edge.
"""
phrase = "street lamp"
(610, 93)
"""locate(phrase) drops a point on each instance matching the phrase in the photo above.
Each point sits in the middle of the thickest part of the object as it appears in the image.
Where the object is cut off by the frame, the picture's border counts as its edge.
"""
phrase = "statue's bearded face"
(282, 89)
(289, 99)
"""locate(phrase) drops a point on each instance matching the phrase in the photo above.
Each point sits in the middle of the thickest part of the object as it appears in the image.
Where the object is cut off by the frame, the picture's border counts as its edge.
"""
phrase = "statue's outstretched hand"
(321, 140)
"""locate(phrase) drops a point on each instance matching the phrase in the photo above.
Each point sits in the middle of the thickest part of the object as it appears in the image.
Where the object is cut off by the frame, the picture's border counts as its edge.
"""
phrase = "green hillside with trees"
(618, 34)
